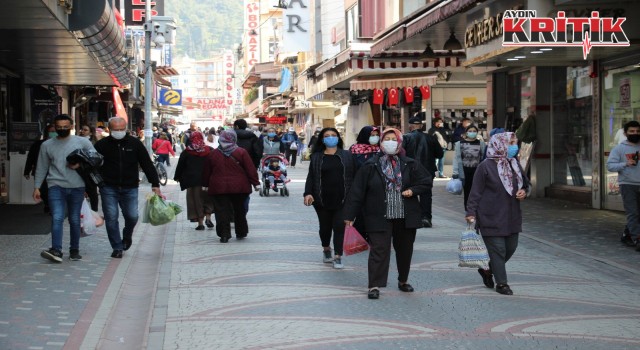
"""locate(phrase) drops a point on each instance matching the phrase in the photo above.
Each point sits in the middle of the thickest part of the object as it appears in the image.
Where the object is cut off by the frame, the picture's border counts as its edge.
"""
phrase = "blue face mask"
(271, 134)
(331, 141)
(512, 151)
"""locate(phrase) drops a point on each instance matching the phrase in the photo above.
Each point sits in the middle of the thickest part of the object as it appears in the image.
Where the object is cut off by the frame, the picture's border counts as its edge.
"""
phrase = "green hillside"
(206, 25)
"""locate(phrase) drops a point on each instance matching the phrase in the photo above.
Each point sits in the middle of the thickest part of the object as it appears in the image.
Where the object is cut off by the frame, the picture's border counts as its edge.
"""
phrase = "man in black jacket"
(247, 140)
(122, 154)
(425, 149)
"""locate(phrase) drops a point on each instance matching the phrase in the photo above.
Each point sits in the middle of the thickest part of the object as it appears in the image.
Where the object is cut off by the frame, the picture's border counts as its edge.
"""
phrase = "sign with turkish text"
(133, 11)
(229, 71)
(252, 37)
(210, 103)
(296, 21)
(524, 28)
(278, 119)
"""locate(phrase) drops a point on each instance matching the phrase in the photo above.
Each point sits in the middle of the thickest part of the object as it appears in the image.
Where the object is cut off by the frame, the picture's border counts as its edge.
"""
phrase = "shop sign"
(252, 28)
(207, 104)
(469, 101)
(134, 11)
(229, 68)
(625, 93)
(524, 28)
(484, 30)
(296, 19)
(279, 119)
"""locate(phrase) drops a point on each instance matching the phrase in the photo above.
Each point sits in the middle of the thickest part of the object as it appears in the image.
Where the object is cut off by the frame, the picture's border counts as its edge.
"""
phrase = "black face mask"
(63, 132)
(633, 138)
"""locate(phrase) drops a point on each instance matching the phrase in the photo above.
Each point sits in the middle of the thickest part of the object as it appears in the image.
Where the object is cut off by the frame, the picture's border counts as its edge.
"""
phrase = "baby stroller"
(280, 186)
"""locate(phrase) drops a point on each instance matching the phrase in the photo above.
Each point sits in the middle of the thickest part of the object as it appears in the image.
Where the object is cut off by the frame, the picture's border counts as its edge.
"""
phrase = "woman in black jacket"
(330, 175)
(189, 174)
(395, 180)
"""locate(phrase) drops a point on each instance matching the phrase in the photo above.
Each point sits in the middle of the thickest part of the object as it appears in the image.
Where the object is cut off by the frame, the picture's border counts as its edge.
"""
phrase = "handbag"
(353, 241)
(471, 251)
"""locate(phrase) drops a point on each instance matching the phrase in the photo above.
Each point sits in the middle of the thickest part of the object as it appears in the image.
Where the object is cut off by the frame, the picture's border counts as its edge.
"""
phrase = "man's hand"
(36, 195)
(308, 200)
(256, 188)
(348, 223)
(157, 191)
(631, 162)
(470, 219)
(73, 166)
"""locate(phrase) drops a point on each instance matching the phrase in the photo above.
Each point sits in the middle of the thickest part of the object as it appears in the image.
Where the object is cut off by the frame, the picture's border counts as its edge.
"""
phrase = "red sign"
(228, 79)
(134, 11)
(280, 119)
(252, 27)
(207, 103)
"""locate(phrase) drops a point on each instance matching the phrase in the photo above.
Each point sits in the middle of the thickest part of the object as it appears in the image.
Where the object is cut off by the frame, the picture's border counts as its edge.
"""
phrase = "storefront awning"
(403, 60)
(370, 84)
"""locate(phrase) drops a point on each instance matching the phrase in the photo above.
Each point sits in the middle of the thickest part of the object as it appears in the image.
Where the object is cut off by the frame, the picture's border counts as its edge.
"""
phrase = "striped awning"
(410, 81)
(166, 71)
(402, 60)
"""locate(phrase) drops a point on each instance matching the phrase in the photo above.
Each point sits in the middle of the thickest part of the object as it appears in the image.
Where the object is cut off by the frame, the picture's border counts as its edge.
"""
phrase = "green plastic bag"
(160, 212)
(176, 208)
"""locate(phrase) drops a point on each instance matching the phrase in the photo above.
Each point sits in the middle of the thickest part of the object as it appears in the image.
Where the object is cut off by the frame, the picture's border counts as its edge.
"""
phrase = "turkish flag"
(378, 96)
(425, 91)
(408, 94)
(393, 96)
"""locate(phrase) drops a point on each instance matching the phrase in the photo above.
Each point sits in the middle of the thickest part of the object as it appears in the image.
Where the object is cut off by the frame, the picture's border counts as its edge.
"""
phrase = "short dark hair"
(471, 126)
(320, 146)
(631, 124)
(240, 124)
(63, 117)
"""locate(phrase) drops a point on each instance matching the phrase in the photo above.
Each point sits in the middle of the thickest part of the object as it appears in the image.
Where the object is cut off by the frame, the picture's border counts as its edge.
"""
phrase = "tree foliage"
(205, 26)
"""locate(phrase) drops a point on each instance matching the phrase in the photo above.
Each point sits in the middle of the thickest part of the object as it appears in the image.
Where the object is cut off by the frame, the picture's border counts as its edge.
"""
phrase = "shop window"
(572, 126)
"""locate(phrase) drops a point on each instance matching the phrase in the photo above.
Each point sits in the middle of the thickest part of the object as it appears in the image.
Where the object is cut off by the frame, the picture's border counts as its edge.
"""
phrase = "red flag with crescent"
(393, 96)
(425, 91)
(378, 96)
(408, 94)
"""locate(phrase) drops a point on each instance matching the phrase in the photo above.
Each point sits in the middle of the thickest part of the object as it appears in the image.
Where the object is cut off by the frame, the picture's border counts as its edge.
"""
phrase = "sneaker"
(326, 256)
(337, 263)
(52, 254)
(74, 255)
(627, 240)
(117, 254)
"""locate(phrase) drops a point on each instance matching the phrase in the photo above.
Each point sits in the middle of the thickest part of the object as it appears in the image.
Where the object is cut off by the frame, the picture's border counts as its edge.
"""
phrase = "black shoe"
(374, 293)
(627, 240)
(504, 289)
(200, 228)
(241, 236)
(74, 255)
(487, 278)
(52, 254)
(126, 243)
(117, 254)
(426, 223)
(405, 287)
(209, 223)
(224, 240)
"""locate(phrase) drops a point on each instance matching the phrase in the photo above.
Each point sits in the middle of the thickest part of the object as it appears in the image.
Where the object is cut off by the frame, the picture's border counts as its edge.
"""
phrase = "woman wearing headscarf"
(366, 146)
(494, 205)
(228, 175)
(331, 172)
(397, 181)
(469, 152)
(188, 173)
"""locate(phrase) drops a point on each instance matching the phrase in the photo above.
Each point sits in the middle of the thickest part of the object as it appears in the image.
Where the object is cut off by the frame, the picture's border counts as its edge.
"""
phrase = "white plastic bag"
(454, 186)
(89, 219)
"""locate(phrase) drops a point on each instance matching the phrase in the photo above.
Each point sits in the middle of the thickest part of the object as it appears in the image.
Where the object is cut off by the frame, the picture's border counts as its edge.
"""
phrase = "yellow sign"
(469, 101)
(171, 97)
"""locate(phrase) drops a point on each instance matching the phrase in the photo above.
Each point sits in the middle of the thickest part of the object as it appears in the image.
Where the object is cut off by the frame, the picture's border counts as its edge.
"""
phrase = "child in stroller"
(275, 170)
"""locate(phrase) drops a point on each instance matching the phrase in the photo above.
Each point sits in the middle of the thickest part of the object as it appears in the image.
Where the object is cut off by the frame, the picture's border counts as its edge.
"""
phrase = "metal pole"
(148, 78)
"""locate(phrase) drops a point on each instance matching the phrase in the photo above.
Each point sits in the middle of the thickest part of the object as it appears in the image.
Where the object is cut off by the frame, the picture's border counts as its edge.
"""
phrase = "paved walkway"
(575, 288)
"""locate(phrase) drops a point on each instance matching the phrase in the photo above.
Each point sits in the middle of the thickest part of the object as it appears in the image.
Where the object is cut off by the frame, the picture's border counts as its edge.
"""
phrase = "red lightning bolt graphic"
(586, 45)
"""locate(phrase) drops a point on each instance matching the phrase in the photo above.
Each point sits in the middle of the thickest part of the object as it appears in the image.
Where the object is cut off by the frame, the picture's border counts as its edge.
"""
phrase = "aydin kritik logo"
(583, 32)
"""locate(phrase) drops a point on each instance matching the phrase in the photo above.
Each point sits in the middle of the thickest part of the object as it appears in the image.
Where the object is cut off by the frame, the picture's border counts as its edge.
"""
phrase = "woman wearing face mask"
(271, 143)
(329, 179)
(366, 146)
(499, 185)
(470, 152)
(397, 181)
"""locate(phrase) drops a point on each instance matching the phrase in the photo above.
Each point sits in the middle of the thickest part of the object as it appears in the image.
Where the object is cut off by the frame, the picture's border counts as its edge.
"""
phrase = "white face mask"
(390, 147)
(119, 135)
(373, 140)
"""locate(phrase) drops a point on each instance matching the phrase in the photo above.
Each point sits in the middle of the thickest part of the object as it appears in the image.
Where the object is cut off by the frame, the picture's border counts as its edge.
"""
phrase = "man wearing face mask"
(122, 154)
(66, 187)
(425, 149)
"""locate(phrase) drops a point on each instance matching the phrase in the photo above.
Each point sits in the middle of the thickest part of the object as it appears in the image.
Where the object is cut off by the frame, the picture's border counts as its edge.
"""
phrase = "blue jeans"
(441, 163)
(127, 199)
(63, 200)
(631, 202)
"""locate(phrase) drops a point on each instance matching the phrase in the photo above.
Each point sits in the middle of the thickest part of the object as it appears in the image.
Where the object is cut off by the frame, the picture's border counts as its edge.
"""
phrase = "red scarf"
(196, 145)
(363, 148)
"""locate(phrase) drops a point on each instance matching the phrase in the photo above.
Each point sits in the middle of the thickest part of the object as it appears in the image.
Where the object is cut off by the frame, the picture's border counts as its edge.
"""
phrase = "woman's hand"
(348, 223)
(308, 200)
(470, 219)
(521, 194)
(408, 193)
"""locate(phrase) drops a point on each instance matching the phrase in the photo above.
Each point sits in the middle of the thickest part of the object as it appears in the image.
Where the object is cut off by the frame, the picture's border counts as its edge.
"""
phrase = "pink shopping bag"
(353, 241)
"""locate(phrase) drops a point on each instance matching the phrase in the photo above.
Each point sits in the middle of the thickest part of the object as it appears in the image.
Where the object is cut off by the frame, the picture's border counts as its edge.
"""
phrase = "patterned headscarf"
(497, 150)
(362, 145)
(390, 163)
(227, 142)
(197, 146)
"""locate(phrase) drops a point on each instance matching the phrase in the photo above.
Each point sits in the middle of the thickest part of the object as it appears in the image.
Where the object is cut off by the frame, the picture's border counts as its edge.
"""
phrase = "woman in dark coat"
(188, 174)
(367, 145)
(329, 179)
(397, 181)
(228, 175)
(494, 205)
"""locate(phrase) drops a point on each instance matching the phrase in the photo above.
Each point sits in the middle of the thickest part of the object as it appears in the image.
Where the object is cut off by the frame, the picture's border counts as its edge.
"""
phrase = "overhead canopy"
(409, 81)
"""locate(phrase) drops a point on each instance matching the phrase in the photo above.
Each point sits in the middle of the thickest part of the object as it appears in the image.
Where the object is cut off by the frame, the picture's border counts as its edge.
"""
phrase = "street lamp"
(148, 80)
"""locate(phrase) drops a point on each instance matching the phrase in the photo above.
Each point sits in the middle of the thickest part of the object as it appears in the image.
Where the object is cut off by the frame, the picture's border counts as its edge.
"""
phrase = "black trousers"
(44, 194)
(425, 204)
(500, 251)
(291, 155)
(380, 252)
(226, 207)
(467, 183)
(331, 221)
